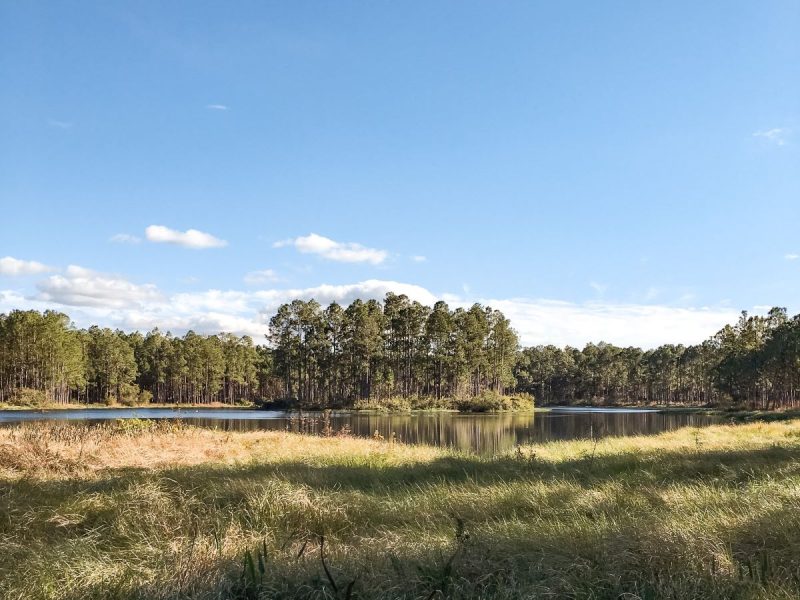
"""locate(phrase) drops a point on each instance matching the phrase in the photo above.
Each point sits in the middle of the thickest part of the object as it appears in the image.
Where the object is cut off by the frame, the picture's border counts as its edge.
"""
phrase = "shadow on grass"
(604, 551)
(662, 467)
(659, 467)
(625, 561)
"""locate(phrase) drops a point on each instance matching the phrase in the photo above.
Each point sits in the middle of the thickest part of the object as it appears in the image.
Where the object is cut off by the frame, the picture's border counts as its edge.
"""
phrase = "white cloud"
(84, 287)
(208, 323)
(263, 276)
(776, 135)
(329, 249)
(125, 238)
(791, 256)
(15, 266)
(231, 301)
(59, 124)
(645, 325)
(419, 258)
(191, 238)
(216, 107)
(111, 300)
(344, 294)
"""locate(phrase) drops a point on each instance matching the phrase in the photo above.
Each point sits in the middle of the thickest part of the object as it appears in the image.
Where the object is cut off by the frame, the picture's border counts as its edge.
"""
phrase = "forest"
(395, 353)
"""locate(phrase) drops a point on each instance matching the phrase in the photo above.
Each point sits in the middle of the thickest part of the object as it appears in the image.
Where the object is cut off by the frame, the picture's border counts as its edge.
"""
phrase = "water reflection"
(484, 434)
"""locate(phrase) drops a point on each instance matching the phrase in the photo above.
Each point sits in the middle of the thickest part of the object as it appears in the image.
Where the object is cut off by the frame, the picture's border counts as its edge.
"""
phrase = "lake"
(485, 434)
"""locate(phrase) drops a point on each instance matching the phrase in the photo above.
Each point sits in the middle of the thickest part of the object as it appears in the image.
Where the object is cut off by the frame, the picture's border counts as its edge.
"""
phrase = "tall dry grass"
(161, 511)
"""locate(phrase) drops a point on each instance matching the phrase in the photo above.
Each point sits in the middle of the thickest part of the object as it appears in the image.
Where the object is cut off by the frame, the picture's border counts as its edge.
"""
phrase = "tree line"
(754, 362)
(398, 348)
(372, 351)
(45, 353)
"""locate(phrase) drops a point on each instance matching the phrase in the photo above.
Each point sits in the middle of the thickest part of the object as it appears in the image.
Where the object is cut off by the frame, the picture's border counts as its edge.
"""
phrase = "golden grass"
(156, 511)
(40, 450)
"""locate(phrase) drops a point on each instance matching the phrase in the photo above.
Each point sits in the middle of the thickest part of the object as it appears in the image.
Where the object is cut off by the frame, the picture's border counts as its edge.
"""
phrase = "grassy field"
(136, 510)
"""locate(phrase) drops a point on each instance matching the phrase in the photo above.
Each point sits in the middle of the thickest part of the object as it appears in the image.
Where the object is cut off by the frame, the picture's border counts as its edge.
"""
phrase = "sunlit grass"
(156, 511)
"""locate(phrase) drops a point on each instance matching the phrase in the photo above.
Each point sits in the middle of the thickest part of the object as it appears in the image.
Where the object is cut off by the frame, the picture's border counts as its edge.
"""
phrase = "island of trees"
(398, 354)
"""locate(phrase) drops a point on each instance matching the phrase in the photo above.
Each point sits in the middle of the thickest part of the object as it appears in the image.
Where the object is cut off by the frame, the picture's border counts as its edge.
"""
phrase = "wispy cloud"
(59, 124)
(419, 258)
(125, 238)
(776, 135)
(349, 252)
(263, 276)
(15, 266)
(600, 288)
(791, 256)
(216, 107)
(191, 238)
(651, 293)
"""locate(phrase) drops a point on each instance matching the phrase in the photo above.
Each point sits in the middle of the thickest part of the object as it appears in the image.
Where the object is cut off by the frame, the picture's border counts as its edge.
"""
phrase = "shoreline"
(366, 411)
(56, 407)
(735, 415)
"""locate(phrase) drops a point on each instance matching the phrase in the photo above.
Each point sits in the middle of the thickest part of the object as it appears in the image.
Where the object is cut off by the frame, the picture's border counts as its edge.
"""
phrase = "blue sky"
(618, 171)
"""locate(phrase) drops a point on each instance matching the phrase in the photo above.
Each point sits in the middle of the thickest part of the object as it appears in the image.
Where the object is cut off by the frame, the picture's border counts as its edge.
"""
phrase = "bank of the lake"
(158, 510)
(736, 415)
(481, 433)
(53, 406)
(733, 414)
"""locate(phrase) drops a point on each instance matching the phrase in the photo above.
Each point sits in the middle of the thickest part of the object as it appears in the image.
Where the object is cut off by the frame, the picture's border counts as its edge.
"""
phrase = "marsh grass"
(170, 511)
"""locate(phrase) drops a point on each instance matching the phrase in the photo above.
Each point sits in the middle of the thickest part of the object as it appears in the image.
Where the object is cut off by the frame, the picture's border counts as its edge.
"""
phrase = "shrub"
(129, 394)
(522, 401)
(487, 401)
(391, 404)
(133, 426)
(28, 397)
(491, 401)
(431, 403)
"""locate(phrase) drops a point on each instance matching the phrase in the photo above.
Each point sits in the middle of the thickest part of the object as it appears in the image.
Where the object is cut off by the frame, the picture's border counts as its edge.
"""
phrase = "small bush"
(134, 426)
(487, 401)
(134, 397)
(431, 403)
(522, 401)
(391, 404)
(491, 401)
(128, 394)
(145, 397)
(28, 397)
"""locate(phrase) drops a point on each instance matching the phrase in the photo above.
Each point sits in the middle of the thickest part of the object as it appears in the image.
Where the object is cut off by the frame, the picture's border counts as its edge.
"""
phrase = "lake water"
(482, 433)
